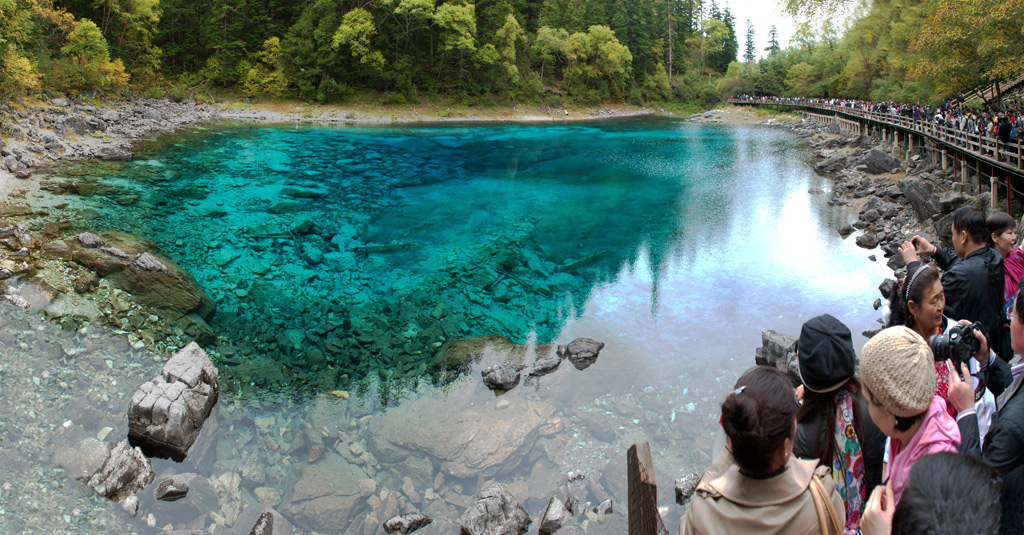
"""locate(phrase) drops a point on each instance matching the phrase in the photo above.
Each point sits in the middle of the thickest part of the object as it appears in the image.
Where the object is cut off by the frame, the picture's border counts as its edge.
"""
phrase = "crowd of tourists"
(995, 124)
(922, 433)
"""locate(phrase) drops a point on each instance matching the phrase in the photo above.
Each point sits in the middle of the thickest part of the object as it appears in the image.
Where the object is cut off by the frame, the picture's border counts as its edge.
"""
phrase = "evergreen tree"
(748, 53)
(773, 41)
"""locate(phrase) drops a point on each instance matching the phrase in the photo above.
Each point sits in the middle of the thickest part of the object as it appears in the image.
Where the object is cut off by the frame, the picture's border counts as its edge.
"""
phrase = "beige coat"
(727, 502)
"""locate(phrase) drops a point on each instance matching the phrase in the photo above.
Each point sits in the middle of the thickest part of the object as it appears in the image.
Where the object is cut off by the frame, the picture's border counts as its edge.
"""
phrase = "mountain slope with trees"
(586, 52)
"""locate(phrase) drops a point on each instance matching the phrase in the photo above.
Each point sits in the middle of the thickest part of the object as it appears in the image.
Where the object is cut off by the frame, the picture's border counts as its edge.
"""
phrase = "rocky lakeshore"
(895, 195)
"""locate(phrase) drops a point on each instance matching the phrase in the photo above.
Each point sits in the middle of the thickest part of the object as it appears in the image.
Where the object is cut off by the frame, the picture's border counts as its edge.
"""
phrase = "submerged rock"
(555, 516)
(406, 524)
(495, 511)
(132, 265)
(166, 414)
(115, 471)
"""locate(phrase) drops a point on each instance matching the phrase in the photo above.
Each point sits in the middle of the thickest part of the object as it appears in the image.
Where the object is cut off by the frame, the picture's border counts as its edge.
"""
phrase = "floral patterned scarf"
(848, 462)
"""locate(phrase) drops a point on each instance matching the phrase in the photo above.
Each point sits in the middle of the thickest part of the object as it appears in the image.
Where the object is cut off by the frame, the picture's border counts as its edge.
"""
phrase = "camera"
(958, 344)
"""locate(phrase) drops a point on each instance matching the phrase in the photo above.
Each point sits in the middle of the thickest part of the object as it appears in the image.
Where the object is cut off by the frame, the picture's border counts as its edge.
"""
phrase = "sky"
(763, 13)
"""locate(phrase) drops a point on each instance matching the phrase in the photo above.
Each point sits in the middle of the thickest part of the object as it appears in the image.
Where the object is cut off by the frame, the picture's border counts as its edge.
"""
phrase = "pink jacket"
(938, 433)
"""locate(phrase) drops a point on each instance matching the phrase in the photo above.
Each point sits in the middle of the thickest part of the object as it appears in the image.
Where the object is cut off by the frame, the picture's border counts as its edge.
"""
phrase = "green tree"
(749, 55)
(357, 30)
(800, 78)
(90, 59)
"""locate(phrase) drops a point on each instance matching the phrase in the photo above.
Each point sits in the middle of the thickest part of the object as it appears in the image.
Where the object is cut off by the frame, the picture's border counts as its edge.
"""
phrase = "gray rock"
(886, 288)
(168, 490)
(113, 154)
(877, 304)
(582, 352)
(77, 125)
(869, 240)
(555, 516)
(148, 262)
(846, 230)
(264, 525)
(504, 376)
(951, 200)
(605, 507)
(494, 511)
(875, 162)
(153, 115)
(832, 165)
(166, 414)
(546, 364)
(13, 164)
(406, 524)
(110, 116)
(576, 488)
(130, 505)
(125, 472)
(919, 195)
(779, 350)
(60, 101)
(685, 487)
(870, 216)
(90, 240)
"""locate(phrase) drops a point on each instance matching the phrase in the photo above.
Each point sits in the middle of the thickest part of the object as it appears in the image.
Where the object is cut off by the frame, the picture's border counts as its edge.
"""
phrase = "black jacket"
(872, 443)
(1004, 444)
(974, 290)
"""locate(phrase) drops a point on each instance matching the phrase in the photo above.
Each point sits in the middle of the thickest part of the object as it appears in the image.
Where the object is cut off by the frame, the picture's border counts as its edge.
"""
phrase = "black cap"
(827, 359)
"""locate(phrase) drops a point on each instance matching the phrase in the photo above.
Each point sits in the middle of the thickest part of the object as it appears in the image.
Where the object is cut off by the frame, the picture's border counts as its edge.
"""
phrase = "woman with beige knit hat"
(898, 374)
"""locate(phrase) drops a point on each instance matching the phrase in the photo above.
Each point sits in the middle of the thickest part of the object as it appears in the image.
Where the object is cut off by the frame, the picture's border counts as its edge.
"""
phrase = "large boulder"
(832, 165)
(876, 162)
(115, 471)
(779, 350)
(166, 414)
(919, 194)
(139, 267)
(495, 511)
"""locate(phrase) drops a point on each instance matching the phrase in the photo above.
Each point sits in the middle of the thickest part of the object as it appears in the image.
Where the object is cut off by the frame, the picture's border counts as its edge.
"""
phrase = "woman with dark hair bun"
(756, 485)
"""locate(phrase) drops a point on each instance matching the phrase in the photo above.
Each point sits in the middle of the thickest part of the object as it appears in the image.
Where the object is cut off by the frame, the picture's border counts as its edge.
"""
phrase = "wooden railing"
(1007, 156)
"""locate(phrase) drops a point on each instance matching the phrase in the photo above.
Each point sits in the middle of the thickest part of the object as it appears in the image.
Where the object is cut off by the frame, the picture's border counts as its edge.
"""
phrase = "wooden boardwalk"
(976, 159)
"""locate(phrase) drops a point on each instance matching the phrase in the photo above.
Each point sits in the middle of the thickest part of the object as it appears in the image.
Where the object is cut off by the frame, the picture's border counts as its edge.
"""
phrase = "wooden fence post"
(644, 518)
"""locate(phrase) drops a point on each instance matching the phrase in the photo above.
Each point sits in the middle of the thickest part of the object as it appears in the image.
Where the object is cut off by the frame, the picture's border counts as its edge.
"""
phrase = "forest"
(497, 52)
(913, 51)
(506, 52)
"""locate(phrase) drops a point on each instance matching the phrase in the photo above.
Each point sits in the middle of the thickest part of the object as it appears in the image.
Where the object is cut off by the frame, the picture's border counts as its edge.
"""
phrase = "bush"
(331, 91)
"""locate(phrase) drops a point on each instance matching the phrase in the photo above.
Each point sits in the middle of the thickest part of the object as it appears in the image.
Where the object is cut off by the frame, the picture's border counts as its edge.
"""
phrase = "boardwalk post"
(945, 159)
(994, 186)
(644, 518)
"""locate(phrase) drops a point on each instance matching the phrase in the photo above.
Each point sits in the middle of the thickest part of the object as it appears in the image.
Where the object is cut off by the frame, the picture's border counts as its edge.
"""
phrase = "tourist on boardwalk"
(833, 425)
(899, 382)
(947, 493)
(1003, 446)
(973, 280)
(756, 485)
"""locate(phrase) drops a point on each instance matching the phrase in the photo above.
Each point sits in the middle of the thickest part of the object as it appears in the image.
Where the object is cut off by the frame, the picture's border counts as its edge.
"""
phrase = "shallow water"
(342, 258)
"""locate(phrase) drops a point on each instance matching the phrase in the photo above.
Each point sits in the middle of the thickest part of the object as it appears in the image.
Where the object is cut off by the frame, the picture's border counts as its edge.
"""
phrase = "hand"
(877, 518)
(983, 352)
(799, 392)
(908, 253)
(924, 247)
(961, 391)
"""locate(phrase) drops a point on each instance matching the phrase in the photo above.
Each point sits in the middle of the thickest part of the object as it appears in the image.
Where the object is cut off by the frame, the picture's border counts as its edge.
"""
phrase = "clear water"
(342, 258)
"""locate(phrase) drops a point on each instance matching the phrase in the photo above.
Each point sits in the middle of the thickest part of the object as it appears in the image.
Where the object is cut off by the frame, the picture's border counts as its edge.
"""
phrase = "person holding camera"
(918, 303)
(973, 282)
(1003, 445)
(898, 376)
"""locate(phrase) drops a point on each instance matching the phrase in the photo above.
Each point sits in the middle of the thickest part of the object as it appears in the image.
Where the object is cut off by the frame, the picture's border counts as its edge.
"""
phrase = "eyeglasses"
(1012, 316)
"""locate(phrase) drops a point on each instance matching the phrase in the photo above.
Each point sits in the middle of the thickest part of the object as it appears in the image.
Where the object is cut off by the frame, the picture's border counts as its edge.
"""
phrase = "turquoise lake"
(345, 258)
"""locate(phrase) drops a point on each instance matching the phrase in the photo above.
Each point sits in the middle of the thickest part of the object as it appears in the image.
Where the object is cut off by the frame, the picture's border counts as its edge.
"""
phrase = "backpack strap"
(828, 517)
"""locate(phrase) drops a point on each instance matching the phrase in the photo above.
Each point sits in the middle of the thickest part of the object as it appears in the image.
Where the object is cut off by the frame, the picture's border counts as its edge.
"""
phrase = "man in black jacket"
(973, 279)
(1003, 447)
